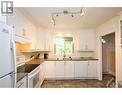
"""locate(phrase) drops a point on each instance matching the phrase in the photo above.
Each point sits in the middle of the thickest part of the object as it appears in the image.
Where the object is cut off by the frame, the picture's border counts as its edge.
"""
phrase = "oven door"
(34, 78)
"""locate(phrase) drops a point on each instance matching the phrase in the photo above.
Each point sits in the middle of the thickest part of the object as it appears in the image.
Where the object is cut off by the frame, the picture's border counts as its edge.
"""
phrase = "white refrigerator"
(7, 57)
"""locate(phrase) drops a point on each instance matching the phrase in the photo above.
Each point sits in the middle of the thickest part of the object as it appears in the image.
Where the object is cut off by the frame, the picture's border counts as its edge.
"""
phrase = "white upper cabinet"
(92, 69)
(43, 39)
(24, 29)
(69, 69)
(87, 40)
(81, 69)
(17, 21)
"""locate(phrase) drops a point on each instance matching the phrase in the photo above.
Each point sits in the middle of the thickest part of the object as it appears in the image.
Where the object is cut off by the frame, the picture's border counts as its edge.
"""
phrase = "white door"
(7, 81)
(69, 69)
(92, 69)
(49, 69)
(81, 69)
(6, 64)
(59, 69)
(2, 19)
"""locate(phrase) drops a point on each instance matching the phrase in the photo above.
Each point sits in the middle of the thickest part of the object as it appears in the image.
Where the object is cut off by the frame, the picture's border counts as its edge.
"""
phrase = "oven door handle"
(33, 74)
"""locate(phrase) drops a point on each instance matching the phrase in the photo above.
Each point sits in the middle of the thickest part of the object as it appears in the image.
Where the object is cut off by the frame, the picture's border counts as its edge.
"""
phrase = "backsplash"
(20, 47)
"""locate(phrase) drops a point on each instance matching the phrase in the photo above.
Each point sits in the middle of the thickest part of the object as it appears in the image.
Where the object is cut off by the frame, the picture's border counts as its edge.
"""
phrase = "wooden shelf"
(86, 51)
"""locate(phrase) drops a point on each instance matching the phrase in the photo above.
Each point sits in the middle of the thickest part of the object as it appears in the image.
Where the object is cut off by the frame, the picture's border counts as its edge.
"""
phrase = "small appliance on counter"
(46, 55)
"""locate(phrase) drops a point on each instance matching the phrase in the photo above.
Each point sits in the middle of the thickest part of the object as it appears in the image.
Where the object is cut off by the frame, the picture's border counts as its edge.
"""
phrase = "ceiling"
(93, 17)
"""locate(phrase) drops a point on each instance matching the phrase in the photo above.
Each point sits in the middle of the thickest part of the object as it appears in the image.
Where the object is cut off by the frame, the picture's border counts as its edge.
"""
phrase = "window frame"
(55, 52)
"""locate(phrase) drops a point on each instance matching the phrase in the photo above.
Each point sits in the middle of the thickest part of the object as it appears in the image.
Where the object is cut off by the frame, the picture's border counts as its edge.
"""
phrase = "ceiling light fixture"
(66, 12)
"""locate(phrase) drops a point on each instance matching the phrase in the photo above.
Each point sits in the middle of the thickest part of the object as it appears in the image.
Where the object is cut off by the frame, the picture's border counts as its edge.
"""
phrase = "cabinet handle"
(20, 84)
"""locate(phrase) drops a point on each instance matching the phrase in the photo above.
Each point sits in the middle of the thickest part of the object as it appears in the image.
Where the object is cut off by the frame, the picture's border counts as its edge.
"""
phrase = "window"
(64, 44)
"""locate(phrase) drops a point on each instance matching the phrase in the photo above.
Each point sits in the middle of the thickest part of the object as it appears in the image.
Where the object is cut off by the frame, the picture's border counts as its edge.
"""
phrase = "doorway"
(108, 56)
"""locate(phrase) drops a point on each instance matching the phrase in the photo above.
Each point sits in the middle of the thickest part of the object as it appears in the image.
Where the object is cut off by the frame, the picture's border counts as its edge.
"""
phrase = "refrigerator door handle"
(13, 48)
(13, 77)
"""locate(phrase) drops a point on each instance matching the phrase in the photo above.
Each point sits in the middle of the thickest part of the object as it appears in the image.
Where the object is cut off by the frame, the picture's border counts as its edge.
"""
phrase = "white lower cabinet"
(92, 69)
(69, 70)
(49, 69)
(42, 73)
(59, 69)
(81, 69)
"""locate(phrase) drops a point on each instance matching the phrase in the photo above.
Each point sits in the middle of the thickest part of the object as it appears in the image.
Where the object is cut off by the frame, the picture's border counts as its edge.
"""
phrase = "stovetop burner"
(27, 68)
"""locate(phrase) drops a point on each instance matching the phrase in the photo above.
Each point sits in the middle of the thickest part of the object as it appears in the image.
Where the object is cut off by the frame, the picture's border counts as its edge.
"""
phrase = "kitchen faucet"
(63, 54)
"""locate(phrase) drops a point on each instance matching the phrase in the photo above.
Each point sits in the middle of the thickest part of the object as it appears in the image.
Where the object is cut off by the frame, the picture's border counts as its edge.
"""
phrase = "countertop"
(35, 61)
(73, 59)
(39, 61)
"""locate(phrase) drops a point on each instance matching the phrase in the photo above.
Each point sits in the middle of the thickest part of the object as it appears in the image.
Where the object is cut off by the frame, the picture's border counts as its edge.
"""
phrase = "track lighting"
(53, 20)
(66, 12)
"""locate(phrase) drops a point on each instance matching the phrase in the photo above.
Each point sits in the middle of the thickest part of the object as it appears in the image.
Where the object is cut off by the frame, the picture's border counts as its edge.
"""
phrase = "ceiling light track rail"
(65, 12)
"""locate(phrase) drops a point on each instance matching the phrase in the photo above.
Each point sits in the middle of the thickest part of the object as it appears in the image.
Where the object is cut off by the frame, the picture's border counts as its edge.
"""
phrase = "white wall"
(48, 35)
(2, 18)
(110, 26)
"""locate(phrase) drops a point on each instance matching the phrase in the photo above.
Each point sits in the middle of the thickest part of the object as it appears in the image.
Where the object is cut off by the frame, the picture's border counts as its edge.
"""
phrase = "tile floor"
(80, 83)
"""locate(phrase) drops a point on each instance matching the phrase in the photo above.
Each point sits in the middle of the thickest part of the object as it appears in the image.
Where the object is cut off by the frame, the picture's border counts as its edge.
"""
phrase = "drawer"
(22, 83)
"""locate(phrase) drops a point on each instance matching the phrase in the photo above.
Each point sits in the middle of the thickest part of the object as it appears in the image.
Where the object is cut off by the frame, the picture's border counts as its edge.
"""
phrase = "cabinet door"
(69, 69)
(81, 69)
(42, 73)
(92, 69)
(47, 41)
(90, 41)
(59, 69)
(49, 69)
(82, 41)
(87, 40)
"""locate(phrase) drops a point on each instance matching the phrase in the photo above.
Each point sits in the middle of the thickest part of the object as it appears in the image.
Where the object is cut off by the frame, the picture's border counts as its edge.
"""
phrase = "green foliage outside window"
(64, 44)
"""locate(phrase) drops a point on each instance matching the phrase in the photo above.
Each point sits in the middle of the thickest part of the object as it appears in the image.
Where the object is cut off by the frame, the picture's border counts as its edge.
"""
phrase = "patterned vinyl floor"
(82, 83)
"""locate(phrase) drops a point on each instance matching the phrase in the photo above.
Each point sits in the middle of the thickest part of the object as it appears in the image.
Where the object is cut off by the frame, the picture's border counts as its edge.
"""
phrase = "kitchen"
(48, 53)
